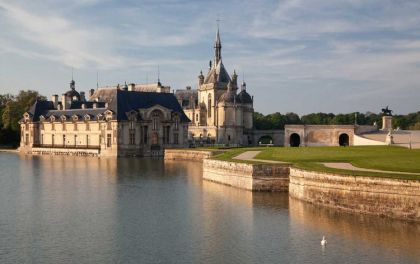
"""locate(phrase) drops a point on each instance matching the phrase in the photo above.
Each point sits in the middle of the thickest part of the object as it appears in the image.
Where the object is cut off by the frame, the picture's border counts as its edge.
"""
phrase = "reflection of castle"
(218, 112)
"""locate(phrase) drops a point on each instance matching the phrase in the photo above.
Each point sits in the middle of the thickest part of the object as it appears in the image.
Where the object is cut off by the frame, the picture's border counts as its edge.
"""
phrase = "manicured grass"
(387, 158)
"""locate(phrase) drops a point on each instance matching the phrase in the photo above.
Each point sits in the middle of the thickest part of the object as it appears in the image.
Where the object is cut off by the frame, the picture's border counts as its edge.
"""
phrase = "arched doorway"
(264, 140)
(343, 140)
(294, 140)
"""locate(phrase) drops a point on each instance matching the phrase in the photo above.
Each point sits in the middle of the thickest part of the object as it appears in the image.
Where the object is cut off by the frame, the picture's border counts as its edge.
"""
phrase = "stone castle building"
(113, 122)
(220, 110)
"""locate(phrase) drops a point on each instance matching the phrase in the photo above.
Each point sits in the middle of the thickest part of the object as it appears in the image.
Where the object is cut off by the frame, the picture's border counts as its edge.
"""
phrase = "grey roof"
(119, 102)
(217, 73)
(244, 97)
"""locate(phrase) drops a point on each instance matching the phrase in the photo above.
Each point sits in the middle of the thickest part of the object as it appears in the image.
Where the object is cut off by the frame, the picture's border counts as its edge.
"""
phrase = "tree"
(18, 105)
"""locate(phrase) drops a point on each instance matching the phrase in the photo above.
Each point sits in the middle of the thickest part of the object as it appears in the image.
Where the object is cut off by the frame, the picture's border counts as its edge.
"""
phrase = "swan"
(323, 241)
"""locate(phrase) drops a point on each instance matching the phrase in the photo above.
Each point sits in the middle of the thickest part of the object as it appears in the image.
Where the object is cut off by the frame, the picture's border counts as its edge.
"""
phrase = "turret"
(200, 78)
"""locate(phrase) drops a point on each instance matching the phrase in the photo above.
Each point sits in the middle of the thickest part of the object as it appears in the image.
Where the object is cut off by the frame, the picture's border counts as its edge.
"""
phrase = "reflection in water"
(90, 210)
(398, 237)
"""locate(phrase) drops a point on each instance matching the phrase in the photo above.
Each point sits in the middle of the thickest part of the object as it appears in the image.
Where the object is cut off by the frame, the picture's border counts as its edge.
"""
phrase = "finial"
(158, 72)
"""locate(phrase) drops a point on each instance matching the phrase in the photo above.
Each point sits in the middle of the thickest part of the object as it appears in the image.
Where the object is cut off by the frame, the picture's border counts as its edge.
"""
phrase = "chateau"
(219, 113)
(114, 122)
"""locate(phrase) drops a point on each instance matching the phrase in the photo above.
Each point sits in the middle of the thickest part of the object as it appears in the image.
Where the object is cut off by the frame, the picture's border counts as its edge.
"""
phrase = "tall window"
(166, 135)
(75, 140)
(108, 140)
(155, 138)
(75, 126)
(145, 135)
(108, 125)
(26, 126)
(176, 123)
(87, 140)
(155, 120)
(42, 139)
(52, 126)
(27, 139)
(176, 141)
(64, 140)
(209, 106)
(132, 137)
(52, 140)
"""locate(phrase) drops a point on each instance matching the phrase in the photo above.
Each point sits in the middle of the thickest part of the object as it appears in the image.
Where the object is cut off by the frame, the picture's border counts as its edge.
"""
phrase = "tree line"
(278, 121)
(12, 107)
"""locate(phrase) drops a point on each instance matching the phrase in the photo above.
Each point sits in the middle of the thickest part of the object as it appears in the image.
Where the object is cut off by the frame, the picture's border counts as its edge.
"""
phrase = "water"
(90, 210)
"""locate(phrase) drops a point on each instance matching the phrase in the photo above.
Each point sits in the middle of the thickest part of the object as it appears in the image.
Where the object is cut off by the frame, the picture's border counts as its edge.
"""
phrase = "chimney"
(82, 97)
(83, 106)
(54, 99)
(59, 106)
(91, 92)
(95, 105)
(64, 102)
(188, 87)
(106, 105)
(131, 87)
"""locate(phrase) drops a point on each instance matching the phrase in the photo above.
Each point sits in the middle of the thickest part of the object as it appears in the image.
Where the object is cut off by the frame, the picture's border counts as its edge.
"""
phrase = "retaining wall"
(379, 196)
(186, 154)
(253, 177)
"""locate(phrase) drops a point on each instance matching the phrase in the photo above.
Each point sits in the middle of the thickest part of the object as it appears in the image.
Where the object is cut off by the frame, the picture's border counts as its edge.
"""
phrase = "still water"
(90, 210)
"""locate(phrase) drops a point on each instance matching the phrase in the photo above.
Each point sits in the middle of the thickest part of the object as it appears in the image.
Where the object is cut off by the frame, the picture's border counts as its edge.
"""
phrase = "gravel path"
(249, 155)
(349, 166)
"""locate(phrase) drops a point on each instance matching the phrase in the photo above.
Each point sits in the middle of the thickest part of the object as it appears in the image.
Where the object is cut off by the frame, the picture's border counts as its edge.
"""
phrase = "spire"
(72, 83)
(217, 46)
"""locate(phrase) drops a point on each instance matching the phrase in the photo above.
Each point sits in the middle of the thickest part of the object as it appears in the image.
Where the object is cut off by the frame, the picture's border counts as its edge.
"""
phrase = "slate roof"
(217, 73)
(119, 102)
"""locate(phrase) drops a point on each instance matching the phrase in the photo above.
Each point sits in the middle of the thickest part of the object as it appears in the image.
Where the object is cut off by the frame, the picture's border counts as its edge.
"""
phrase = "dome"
(244, 97)
(72, 94)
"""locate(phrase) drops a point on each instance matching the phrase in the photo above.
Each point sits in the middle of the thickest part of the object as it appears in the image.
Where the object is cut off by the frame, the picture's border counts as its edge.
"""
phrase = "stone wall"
(253, 177)
(187, 154)
(379, 196)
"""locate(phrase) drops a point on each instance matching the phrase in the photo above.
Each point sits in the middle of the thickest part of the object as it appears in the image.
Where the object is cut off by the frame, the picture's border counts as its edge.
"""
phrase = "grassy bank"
(372, 157)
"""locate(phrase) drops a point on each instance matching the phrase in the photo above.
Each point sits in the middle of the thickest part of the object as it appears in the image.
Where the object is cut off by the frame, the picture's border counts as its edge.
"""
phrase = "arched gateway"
(343, 140)
(294, 140)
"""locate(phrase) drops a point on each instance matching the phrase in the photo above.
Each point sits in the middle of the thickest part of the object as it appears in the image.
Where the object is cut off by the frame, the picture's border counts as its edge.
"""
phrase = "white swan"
(323, 241)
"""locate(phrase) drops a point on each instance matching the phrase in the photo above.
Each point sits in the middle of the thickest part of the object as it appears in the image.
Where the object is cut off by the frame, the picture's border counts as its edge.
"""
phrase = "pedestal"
(387, 123)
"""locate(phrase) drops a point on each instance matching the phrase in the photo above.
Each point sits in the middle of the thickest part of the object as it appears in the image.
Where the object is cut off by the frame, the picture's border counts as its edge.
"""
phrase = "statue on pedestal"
(386, 111)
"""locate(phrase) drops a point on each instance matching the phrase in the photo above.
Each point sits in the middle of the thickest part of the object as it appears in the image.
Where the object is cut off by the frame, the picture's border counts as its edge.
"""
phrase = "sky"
(295, 56)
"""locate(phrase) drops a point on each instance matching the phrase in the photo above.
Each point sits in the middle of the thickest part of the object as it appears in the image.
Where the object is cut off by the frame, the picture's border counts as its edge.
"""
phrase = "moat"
(61, 209)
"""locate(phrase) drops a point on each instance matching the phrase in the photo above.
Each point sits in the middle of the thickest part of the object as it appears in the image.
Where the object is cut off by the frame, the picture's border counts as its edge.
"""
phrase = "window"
(75, 140)
(176, 123)
(108, 125)
(166, 135)
(209, 106)
(75, 126)
(132, 137)
(155, 120)
(196, 117)
(26, 126)
(155, 138)
(42, 139)
(108, 140)
(176, 141)
(64, 140)
(145, 134)
(52, 140)
(27, 139)
(52, 126)
(87, 140)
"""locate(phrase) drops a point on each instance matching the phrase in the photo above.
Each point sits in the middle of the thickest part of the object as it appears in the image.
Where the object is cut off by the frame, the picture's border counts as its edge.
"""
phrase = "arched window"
(209, 106)
(155, 120)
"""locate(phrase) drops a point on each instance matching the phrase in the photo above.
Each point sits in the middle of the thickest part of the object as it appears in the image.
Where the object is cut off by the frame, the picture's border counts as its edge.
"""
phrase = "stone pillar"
(386, 122)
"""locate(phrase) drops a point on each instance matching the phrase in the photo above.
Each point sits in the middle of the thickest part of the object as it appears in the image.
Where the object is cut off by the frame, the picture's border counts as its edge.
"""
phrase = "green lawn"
(372, 157)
